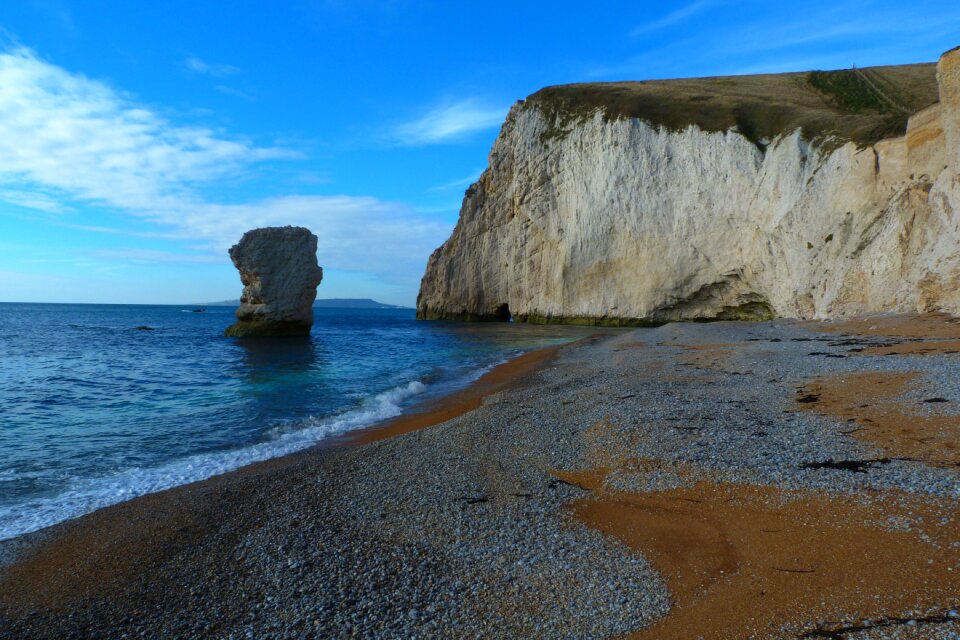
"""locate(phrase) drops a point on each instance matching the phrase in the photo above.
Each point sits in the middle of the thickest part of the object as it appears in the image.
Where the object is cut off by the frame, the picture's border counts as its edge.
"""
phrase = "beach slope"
(724, 480)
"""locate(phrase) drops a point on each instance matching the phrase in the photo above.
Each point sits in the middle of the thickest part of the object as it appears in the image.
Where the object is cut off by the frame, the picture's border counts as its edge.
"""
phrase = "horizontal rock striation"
(279, 270)
(798, 195)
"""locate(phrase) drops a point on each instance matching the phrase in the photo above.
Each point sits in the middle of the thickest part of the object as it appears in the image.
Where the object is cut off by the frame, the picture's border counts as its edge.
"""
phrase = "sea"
(104, 403)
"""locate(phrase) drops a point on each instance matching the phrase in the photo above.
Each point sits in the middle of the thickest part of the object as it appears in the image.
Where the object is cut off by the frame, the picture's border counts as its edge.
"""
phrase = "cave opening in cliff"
(502, 313)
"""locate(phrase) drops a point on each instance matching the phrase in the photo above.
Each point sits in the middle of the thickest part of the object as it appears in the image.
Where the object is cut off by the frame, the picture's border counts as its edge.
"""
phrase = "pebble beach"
(724, 480)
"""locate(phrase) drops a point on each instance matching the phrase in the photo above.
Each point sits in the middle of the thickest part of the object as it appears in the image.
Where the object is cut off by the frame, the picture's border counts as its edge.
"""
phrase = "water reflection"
(267, 358)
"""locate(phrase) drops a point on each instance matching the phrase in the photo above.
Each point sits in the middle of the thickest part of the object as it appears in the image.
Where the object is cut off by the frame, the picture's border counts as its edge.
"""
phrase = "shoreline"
(421, 415)
(457, 403)
(660, 483)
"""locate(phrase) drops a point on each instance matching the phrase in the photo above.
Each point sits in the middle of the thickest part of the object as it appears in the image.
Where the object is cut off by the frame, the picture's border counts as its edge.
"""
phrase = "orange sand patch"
(710, 355)
(707, 358)
(587, 479)
(457, 404)
(742, 560)
(593, 478)
(936, 347)
(605, 447)
(929, 325)
(868, 400)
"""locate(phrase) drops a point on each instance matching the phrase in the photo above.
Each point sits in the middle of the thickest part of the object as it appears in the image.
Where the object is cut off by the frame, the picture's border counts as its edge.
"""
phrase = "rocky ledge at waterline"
(279, 270)
(808, 195)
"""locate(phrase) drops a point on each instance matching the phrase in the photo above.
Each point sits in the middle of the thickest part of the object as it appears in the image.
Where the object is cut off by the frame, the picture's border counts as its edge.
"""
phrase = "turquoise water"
(94, 410)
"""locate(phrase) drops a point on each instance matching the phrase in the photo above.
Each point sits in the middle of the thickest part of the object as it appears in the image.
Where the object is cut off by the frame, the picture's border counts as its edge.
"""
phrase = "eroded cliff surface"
(279, 271)
(797, 195)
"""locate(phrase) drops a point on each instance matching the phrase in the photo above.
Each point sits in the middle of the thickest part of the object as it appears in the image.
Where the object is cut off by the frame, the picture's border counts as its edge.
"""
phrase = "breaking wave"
(84, 495)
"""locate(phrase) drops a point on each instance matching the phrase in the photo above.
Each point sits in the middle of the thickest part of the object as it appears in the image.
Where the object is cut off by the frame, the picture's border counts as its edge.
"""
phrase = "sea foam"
(89, 494)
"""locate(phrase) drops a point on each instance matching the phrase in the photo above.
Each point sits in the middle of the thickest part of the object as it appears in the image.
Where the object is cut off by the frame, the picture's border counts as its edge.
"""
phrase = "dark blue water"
(94, 410)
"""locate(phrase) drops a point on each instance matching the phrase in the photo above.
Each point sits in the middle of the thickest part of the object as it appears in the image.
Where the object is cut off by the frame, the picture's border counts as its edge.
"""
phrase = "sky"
(139, 140)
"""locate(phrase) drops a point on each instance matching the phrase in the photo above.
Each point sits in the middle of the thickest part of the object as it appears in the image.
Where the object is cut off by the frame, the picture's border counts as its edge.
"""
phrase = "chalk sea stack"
(810, 195)
(279, 270)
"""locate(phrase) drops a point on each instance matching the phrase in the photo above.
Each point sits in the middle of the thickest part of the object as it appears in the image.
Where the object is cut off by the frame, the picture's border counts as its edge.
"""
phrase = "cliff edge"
(808, 195)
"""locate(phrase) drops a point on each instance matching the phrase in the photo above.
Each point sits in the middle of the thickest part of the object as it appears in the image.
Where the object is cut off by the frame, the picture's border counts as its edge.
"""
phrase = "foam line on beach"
(89, 494)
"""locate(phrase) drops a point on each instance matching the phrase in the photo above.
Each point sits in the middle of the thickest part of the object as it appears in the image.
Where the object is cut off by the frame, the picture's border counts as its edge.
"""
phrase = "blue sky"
(138, 140)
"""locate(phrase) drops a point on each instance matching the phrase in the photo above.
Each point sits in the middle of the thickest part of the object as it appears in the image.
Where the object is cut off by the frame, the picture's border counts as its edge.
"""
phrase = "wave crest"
(89, 494)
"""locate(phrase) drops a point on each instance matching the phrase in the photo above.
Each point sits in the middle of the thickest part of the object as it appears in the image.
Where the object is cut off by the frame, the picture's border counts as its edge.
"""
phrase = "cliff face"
(717, 198)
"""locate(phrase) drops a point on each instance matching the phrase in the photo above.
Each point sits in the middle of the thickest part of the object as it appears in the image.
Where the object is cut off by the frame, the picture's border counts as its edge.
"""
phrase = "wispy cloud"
(449, 122)
(151, 256)
(233, 91)
(458, 184)
(74, 136)
(173, 235)
(838, 23)
(33, 200)
(776, 38)
(197, 65)
(66, 139)
(682, 14)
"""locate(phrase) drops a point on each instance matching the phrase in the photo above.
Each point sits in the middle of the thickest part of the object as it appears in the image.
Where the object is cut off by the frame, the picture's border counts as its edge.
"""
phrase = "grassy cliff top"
(863, 105)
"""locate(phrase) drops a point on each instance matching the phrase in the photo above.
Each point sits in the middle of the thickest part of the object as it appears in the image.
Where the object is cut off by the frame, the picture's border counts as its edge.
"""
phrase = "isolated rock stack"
(279, 270)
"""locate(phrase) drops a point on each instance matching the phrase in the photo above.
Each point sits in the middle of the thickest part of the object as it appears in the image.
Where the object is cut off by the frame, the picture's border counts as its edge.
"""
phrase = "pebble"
(390, 540)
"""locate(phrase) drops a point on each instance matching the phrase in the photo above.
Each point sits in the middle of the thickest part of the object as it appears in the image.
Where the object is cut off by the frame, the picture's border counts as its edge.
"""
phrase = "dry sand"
(871, 403)
(741, 561)
(931, 325)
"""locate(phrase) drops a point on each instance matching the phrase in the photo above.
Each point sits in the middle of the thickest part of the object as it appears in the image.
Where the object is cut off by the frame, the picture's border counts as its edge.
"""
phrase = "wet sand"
(456, 404)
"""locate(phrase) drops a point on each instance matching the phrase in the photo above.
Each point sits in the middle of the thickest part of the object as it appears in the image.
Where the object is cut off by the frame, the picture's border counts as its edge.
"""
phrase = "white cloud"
(354, 233)
(65, 138)
(195, 64)
(449, 122)
(81, 138)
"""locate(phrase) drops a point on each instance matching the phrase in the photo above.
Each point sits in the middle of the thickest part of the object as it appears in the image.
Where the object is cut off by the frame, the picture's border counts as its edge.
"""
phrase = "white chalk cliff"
(813, 205)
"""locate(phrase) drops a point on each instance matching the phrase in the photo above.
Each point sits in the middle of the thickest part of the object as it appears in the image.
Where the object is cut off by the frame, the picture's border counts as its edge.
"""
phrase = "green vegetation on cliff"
(862, 105)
